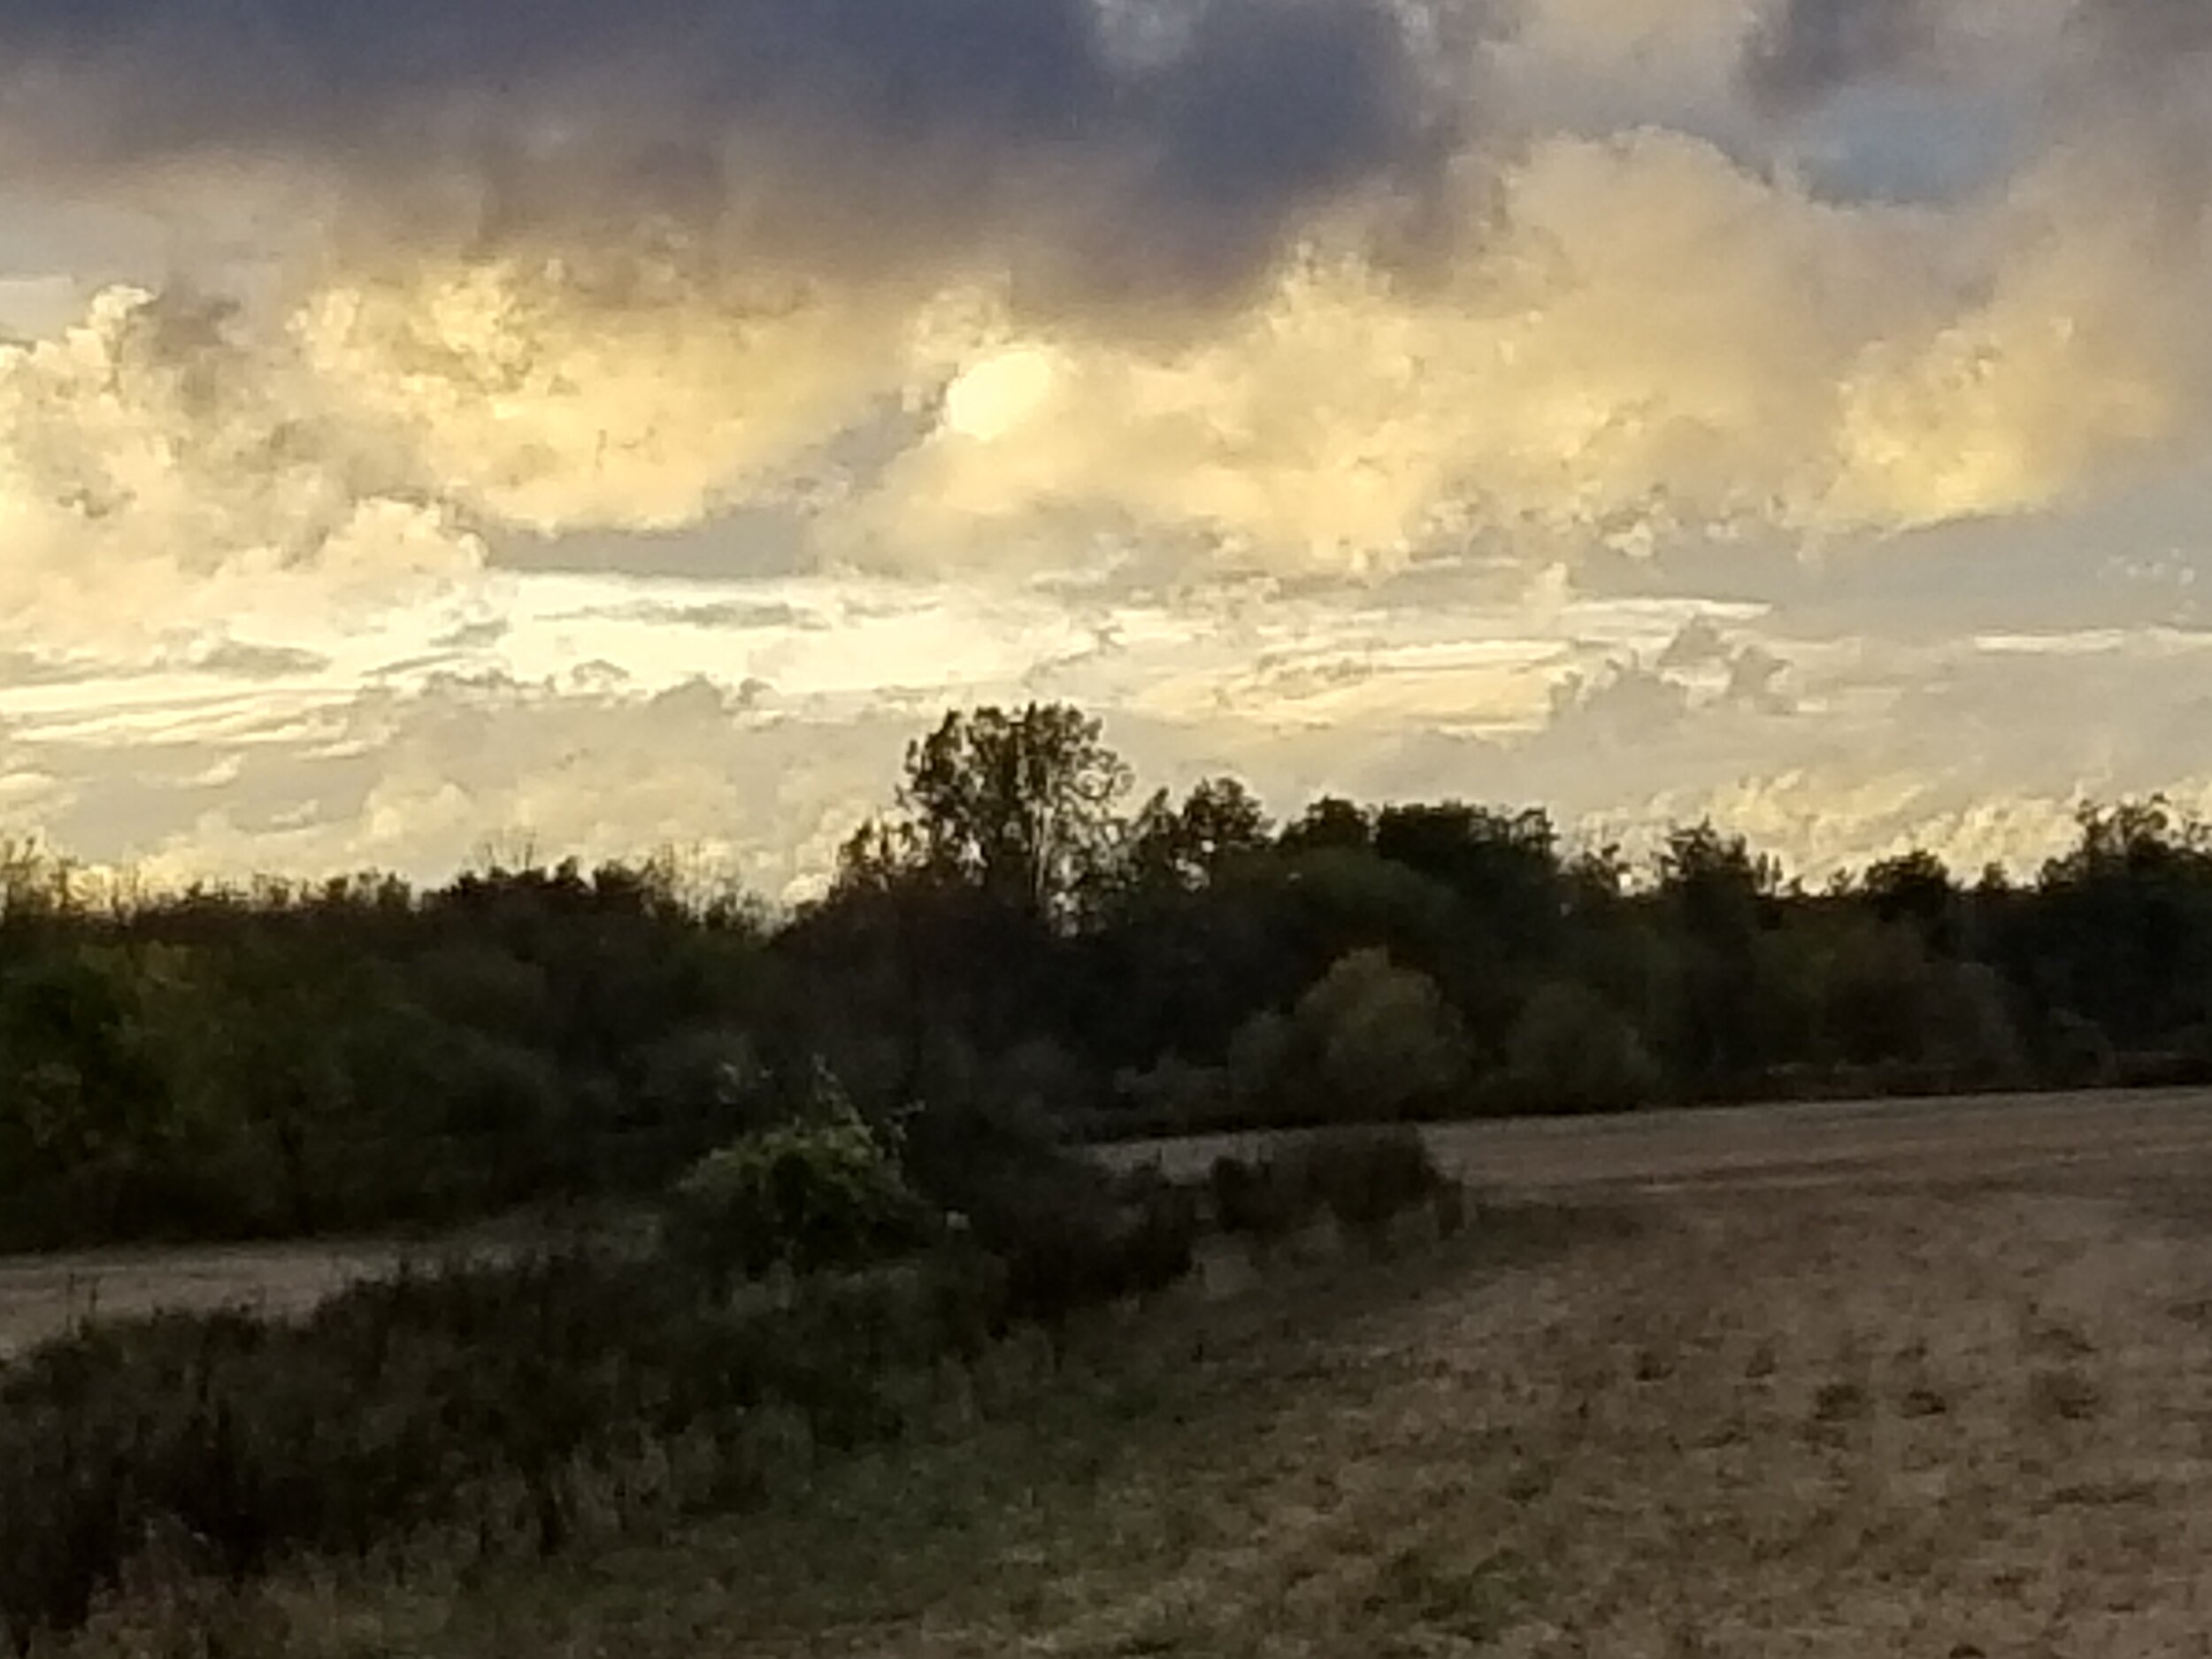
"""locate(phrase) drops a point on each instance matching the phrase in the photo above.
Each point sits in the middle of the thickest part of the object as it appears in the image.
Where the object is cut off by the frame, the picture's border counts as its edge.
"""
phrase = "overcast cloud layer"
(436, 423)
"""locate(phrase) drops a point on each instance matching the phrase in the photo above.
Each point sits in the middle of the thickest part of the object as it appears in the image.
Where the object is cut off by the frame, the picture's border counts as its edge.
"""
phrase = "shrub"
(1173, 1096)
(418, 1400)
(1252, 1198)
(1071, 1239)
(824, 1192)
(2080, 1055)
(1374, 1040)
(1042, 1078)
(999, 1166)
(1365, 1178)
(1259, 1059)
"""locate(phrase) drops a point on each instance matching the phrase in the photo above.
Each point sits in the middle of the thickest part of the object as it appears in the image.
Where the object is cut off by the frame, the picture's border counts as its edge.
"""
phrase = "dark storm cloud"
(2147, 34)
(1808, 49)
(840, 131)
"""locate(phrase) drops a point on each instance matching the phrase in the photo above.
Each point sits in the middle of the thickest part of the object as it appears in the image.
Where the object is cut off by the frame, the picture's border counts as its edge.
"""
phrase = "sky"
(448, 426)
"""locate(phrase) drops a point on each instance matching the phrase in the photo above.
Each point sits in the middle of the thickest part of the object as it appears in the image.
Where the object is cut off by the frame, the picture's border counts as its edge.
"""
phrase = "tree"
(1330, 823)
(1717, 897)
(1177, 848)
(1503, 866)
(2121, 932)
(1020, 807)
(1915, 888)
(1572, 1051)
(1718, 888)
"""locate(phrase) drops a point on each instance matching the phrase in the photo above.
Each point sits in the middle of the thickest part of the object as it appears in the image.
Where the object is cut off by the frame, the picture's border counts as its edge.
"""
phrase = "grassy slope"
(1932, 1423)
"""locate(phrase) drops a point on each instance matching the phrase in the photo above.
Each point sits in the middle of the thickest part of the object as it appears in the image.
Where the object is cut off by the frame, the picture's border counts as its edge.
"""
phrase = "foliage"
(1573, 1051)
(1365, 1177)
(1171, 849)
(1007, 946)
(868, 1099)
(537, 1388)
(441, 1396)
(1019, 806)
(825, 1191)
(1373, 1040)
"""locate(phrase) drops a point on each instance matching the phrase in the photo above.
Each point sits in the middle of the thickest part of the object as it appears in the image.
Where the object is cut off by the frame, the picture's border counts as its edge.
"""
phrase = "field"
(1856, 1144)
(1859, 1145)
(1866, 1382)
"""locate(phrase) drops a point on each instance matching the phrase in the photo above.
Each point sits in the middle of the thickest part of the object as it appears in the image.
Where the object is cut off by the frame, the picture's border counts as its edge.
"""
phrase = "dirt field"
(1857, 1144)
(1852, 1396)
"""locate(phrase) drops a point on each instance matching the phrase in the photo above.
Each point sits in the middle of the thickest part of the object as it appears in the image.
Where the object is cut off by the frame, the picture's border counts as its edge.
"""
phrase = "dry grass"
(1958, 1421)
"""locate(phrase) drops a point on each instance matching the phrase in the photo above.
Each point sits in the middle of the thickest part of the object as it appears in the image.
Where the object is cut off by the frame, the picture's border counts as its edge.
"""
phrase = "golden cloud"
(1648, 332)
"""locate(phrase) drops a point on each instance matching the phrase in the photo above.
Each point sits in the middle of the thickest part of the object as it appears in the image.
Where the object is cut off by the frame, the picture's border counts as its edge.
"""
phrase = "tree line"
(1018, 944)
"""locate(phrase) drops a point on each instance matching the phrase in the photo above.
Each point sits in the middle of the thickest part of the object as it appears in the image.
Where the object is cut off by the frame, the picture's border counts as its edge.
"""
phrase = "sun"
(993, 394)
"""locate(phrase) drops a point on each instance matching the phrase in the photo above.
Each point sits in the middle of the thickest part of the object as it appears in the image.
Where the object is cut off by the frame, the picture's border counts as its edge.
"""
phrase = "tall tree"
(1020, 807)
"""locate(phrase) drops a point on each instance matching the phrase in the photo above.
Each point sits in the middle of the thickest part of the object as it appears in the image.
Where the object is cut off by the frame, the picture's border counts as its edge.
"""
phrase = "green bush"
(827, 1191)
(450, 1394)
(707, 1075)
(1374, 1040)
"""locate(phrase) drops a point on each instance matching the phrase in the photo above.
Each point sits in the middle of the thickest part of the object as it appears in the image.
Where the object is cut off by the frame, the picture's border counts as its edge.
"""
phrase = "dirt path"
(1857, 1146)
(43, 1296)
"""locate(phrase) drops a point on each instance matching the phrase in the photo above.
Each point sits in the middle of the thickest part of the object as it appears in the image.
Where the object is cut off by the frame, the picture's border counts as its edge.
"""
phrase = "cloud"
(1646, 333)
(828, 135)
(1805, 51)
(1619, 715)
(422, 781)
(528, 392)
(243, 660)
(1064, 284)
(165, 472)
(1807, 48)
(1698, 642)
(1276, 311)
(1701, 673)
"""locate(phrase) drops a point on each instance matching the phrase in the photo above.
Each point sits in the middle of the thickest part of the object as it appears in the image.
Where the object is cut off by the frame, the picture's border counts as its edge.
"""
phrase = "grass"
(542, 1401)
(1860, 1425)
(1756, 1424)
(891, 1535)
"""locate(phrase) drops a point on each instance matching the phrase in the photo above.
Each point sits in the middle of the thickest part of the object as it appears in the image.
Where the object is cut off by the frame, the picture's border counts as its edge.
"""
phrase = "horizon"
(702, 882)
